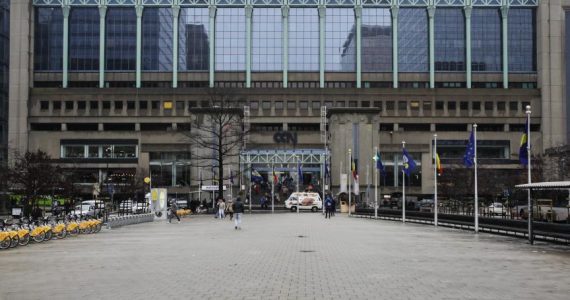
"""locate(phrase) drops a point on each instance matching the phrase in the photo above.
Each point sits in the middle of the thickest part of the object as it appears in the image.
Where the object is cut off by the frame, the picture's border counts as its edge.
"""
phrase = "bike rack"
(129, 220)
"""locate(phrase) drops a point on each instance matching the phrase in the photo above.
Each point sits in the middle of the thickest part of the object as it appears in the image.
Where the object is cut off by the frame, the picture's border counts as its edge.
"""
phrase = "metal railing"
(113, 222)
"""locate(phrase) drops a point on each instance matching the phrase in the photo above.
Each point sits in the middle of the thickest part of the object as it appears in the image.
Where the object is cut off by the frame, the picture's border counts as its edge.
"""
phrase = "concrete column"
(358, 15)
(322, 15)
(175, 14)
(504, 26)
(65, 9)
(248, 19)
(431, 15)
(102, 15)
(139, 10)
(395, 10)
(285, 15)
(468, 9)
(212, 12)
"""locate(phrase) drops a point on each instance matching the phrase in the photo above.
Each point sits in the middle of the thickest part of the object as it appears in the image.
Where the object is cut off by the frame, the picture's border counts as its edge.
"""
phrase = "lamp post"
(530, 214)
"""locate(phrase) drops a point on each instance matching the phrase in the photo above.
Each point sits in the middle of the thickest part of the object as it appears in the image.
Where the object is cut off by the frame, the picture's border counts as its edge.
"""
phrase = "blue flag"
(300, 173)
(469, 157)
(255, 176)
(409, 163)
(379, 164)
(523, 152)
(231, 176)
(327, 170)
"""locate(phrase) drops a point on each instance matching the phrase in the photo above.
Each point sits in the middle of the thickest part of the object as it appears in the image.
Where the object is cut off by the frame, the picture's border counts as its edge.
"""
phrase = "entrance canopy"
(304, 156)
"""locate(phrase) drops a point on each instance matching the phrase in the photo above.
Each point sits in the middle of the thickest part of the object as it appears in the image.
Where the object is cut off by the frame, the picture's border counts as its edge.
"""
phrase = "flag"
(438, 165)
(356, 186)
(274, 176)
(255, 176)
(409, 163)
(379, 164)
(231, 177)
(300, 174)
(469, 157)
(523, 152)
(327, 170)
(201, 181)
(353, 169)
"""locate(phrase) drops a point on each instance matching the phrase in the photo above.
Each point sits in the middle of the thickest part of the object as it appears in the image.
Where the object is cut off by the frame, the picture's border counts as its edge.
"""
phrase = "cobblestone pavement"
(286, 256)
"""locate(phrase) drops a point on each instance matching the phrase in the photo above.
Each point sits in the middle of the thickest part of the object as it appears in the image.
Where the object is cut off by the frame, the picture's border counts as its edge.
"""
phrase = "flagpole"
(200, 185)
(403, 188)
(349, 180)
(530, 214)
(324, 178)
(298, 179)
(250, 184)
(435, 179)
(273, 187)
(476, 193)
(376, 184)
(367, 184)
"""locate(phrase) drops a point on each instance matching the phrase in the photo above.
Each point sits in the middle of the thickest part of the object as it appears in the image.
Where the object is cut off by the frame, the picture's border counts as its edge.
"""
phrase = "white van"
(310, 201)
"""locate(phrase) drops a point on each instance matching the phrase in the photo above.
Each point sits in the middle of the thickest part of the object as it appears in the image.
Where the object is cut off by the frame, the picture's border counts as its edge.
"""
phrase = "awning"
(552, 185)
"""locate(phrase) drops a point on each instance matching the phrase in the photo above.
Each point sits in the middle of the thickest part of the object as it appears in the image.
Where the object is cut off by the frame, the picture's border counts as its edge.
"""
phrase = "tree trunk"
(220, 163)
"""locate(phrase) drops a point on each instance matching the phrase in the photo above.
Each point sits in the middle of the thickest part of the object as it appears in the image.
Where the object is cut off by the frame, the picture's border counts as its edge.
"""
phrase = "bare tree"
(217, 133)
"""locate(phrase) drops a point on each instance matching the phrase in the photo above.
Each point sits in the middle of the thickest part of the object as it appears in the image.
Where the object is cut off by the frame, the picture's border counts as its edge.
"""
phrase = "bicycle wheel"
(15, 241)
(49, 235)
(25, 240)
(74, 232)
(97, 228)
(39, 238)
(5, 243)
(62, 234)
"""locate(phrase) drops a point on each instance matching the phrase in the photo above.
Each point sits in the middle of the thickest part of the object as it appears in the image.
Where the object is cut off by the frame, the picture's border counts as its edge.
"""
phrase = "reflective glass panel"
(157, 39)
(48, 39)
(267, 51)
(412, 40)
(303, 39)
(486, 40)
(449, 39)
(193, 37)
(522, 40)
(84, 39)
(230, 39)
(376, 40)
(340, 40)
(121, 37)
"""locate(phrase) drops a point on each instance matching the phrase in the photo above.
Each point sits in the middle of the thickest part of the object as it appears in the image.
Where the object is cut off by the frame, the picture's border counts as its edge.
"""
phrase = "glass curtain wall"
(4, 60)
(84, 39)
(303, 40)
(193, 39)
(157, 39)
(449, 39)
(267, 51)
(486, 40)
(340, 40)
(121, 39)
(48, 39)
(413, 40)
(230, 39)
(376, 40)
(522, 40)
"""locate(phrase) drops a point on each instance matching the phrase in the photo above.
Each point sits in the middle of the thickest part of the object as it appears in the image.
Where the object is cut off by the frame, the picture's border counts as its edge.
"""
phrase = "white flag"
(343, 183)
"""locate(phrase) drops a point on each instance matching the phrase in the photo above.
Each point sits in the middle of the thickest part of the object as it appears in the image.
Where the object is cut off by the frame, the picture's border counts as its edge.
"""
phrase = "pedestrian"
(230, 209)
(263, 202)
(333, 208)
(173, 209)
(221, 208)
(238, 209)
(328, 206)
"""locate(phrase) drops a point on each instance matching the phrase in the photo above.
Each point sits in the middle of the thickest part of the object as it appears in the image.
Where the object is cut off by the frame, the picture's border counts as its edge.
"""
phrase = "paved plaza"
(286, 256)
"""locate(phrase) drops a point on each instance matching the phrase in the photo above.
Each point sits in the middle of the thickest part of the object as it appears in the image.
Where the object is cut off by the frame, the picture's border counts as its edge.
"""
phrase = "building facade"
(4, 61)
(108, 87)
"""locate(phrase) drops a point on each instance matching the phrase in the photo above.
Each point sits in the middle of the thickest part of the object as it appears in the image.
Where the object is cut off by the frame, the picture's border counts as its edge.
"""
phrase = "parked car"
(89, 207)
(304, 201)
(497, 209)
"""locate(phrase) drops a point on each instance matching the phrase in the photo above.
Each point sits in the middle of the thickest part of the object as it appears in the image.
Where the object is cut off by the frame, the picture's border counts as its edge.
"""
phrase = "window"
(365, 104)
(291, 105)
(451, 105)
(81, 105)
(352, 103)
(267, 52)
(427, 106)
(192, 104)
(486, 149)
(340, 41)
(157, 39)
(303, 40)
(449, 39)
(486, 40)
(522, 40)
(143, 105)
(278, 105)
(266, 105)
(254, 104)
(328, 104)
(488, 105)
(316, 105)
(130, 104)
(464, 105)
(44, 105)
(69, 105)
(48, 39)
(99, 151)
(180, 106)
(412, 40)
(378, 104)
(402, 105)
(155, 104)
(439, 105)
(501, 105)
(170, 169)
(339, 104)
(56, 105)
(415, 105)
(118, 105)
(513, 106)
(476, 105)
(84, 39)
(389, 105)
(106, 104)
(304, 105)
(194, 40)
(75, 151)
(94, 105)
(120, 44)
(376, 40)
(230, 39)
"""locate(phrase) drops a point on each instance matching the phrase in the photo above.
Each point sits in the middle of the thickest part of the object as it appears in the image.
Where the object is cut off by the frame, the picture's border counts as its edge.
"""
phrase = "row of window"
(99, 151)
(267, 42)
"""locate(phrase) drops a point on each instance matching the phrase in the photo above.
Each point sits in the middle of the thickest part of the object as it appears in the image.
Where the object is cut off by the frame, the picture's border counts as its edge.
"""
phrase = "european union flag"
(255, 176)
(469, 157)
(523, 152)
(409, 163)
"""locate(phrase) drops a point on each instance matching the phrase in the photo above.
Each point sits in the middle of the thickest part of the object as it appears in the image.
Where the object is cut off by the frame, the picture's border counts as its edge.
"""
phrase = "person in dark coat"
(238, 209)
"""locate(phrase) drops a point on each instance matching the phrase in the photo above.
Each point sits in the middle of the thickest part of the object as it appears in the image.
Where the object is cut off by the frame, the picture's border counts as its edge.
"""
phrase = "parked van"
(307, 201)
(90, 207)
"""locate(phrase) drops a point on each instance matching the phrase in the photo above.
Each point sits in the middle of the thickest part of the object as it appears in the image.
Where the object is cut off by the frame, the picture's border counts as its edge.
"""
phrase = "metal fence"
(113, 222)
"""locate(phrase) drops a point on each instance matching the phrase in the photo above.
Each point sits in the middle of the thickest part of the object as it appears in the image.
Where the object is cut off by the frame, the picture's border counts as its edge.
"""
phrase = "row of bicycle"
(13, 234)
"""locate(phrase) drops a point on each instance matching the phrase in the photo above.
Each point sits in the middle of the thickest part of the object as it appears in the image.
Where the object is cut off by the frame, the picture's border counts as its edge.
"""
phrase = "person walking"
(328, 206)
(238, 209)
(173, 209)
(333, 208)
(230, 209)
(221, 208)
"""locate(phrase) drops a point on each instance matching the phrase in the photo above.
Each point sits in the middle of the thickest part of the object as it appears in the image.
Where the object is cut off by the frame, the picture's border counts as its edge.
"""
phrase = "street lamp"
(530, 214)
